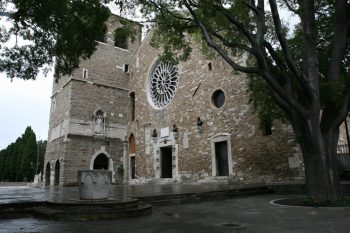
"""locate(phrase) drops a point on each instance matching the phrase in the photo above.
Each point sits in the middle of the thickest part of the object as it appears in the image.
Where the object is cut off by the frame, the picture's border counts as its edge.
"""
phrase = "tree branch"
(341, 27)
(212, 44)
(284, 99)
(311, 61)
(290, 7)
(239, 25)
(280, 63)
(7, 14)
(230, 44)
(283, 42)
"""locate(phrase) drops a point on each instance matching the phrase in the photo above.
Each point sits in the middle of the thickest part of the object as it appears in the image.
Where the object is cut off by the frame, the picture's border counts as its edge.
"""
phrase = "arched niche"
(57, 173)
(47, 174)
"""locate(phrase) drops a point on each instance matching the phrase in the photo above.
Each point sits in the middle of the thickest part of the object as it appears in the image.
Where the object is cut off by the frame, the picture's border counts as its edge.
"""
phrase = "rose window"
(162, 84)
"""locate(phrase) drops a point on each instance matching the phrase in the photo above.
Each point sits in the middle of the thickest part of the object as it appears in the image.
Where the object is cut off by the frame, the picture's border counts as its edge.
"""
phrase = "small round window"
(218, 98)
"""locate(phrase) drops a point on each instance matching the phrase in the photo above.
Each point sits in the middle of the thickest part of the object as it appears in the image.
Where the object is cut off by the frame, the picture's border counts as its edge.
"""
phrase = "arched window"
(101, 162)
(47, 174)
(132, 106)
(132, 144)
(121, 38)
(57, 173)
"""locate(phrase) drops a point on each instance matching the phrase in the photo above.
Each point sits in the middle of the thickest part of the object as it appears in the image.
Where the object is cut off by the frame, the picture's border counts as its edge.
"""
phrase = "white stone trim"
(220, 137)
(110, 162)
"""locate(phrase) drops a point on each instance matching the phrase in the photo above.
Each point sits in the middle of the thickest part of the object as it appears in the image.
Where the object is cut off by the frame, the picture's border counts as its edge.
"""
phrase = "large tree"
(41, 30)
(306, 70)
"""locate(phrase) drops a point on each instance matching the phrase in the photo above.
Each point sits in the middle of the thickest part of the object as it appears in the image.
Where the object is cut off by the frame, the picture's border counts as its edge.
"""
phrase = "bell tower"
(90, 108)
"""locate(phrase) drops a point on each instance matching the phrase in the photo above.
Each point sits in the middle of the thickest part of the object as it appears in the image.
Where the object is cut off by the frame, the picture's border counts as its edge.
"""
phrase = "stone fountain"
(94, 185)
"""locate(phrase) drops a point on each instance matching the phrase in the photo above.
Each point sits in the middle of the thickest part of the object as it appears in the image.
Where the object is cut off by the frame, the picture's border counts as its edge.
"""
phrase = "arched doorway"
(57, 173)
(132, 151)
(47, 174)
(101, 162)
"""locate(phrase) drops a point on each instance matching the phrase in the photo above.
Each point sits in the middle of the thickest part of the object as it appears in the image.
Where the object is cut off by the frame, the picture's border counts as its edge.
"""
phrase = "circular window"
(218, 98)
(162, 84)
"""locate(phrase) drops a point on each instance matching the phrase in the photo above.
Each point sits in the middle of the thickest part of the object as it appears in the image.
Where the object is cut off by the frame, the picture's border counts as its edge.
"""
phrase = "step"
(174, 199)
(55, 214)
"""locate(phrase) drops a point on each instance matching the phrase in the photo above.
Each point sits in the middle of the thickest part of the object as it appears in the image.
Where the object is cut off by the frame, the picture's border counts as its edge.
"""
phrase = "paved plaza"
(245, 214)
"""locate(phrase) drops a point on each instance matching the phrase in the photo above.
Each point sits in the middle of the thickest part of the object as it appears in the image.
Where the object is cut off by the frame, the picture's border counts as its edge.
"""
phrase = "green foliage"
(127, 32)
(120, 170)
(264, 104)
(61, 29)
(121, 38)
(18, 160)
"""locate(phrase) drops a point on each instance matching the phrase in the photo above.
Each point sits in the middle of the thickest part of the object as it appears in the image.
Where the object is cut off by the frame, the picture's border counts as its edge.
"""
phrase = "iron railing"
(343, 157)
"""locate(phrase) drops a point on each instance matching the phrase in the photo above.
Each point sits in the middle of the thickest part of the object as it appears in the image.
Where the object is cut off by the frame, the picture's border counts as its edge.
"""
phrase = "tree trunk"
(321, 170)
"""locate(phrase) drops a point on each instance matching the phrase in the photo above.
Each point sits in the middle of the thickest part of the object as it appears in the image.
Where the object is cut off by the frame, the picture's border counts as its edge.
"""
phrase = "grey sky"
(22, 104)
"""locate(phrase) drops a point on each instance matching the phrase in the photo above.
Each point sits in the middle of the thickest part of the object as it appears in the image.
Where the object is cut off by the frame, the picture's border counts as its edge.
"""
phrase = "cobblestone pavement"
(252, 214)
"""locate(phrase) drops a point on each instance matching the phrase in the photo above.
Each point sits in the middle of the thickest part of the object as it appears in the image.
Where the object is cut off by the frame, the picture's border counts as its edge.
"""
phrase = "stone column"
(126, 162)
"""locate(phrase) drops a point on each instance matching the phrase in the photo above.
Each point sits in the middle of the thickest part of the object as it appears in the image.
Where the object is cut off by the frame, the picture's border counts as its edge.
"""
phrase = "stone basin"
(94, 184)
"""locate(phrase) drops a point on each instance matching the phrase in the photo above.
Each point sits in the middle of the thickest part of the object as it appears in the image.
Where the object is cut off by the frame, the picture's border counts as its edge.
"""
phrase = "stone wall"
(81, 151)
(255, 157)
(100, 84)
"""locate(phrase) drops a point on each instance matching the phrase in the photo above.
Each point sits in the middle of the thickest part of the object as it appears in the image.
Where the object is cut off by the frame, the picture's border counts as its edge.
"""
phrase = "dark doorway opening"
(221, 157)
(57, 173)
(133, 166)
(166, 162)
(47, 174)
(101, 162)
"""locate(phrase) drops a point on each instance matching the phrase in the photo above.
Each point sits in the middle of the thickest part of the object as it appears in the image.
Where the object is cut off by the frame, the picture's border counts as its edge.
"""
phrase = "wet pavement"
(15, 194)
(253, 214)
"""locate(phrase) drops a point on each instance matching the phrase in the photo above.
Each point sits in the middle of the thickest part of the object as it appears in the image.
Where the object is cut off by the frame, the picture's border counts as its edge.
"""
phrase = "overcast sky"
(22, 104)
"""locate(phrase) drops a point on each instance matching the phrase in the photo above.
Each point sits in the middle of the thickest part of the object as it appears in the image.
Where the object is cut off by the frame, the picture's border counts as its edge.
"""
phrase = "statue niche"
(99, 118)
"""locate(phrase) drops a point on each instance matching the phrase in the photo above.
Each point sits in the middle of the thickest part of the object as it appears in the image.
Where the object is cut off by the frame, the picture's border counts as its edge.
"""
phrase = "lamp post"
(37, 157)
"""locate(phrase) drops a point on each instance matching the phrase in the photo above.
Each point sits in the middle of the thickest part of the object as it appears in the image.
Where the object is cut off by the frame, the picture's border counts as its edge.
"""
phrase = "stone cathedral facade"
(150, 121)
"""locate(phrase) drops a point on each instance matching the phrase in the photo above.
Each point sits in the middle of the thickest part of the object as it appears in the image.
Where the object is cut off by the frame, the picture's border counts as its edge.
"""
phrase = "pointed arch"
(57, 173)
(47, 174)
(101, 162)
(132, 159)
(132, 144)
(94, 157)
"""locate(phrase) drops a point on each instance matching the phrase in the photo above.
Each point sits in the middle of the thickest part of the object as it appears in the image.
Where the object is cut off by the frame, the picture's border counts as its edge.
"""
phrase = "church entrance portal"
(221, 157)
(57, 173)
(166, 162)
(47, 174)
(101, 162)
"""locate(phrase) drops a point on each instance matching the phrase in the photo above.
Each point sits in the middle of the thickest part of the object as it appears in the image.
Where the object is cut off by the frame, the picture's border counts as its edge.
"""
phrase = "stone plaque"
(185, 140)
(293, 162)
(164, 132)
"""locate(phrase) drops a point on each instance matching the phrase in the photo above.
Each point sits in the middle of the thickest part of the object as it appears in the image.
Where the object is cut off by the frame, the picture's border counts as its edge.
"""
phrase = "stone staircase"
(77, 210)
(185, 198)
